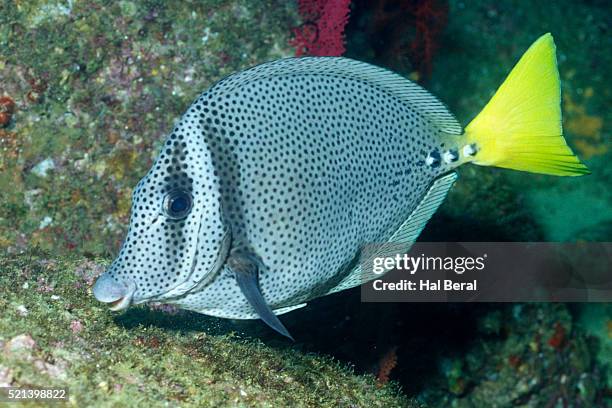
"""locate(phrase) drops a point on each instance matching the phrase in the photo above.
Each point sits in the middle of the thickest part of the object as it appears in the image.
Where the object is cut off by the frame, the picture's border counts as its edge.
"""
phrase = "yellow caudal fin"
(520, 127)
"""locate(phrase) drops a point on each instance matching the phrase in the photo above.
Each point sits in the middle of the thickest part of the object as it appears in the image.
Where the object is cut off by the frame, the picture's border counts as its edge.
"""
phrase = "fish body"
(276, 177)
(311, 166)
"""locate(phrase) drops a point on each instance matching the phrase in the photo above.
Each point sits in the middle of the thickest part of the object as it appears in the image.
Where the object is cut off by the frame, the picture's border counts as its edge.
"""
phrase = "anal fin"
(405, 236)
(288, 309)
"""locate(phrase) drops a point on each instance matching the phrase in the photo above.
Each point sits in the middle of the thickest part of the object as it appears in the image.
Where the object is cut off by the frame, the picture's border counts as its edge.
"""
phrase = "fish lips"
(117, 295)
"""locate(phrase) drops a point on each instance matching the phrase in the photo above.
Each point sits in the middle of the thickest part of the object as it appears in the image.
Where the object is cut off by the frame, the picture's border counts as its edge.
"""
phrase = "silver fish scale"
(314, 158)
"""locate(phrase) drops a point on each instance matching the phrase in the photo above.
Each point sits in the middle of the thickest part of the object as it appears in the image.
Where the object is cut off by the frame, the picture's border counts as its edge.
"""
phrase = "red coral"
(404, 34)
(7, 108)
(430, 18)
(322, 33)
(514, 361)
(386, 364)
(557, 340)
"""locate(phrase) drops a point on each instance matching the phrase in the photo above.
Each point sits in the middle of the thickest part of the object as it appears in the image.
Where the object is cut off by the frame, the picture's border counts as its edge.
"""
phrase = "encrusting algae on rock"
(53, 333)
(586, 127)
(93, 80)
(89, 78)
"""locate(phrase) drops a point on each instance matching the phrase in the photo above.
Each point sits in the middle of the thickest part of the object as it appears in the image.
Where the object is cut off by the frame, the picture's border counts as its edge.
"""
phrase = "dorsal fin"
(394, 84)
(408, 232)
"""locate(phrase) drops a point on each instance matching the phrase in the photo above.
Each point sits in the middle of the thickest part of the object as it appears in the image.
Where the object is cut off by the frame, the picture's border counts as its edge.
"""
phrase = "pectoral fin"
(246, 271)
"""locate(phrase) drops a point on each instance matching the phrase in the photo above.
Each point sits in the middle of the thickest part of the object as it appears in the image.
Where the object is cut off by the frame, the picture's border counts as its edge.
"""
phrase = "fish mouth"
(117, 295)
(120, 304)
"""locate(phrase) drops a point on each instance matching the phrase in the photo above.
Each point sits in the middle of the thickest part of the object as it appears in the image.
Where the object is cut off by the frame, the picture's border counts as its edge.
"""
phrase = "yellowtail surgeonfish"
(274, 179)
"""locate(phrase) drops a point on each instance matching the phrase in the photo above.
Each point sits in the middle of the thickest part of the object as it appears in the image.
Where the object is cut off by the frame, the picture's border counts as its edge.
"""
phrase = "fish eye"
(177, 204)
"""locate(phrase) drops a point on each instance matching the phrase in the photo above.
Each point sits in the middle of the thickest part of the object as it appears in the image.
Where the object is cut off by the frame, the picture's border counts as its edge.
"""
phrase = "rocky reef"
(90, 88)
(54, 334)
(96, 86)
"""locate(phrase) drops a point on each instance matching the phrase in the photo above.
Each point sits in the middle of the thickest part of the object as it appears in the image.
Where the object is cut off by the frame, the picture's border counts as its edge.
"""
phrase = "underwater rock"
(42, 168)
(90, 75)
(22, 342)
(7, 108)
(127, 70)
(153, 357)
(22, 310)
(6, 376)
(535, 356)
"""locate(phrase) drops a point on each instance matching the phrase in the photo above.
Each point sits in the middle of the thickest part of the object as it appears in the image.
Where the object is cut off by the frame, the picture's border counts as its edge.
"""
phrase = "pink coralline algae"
(76, 326)
(88, 271)
(322, 33)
